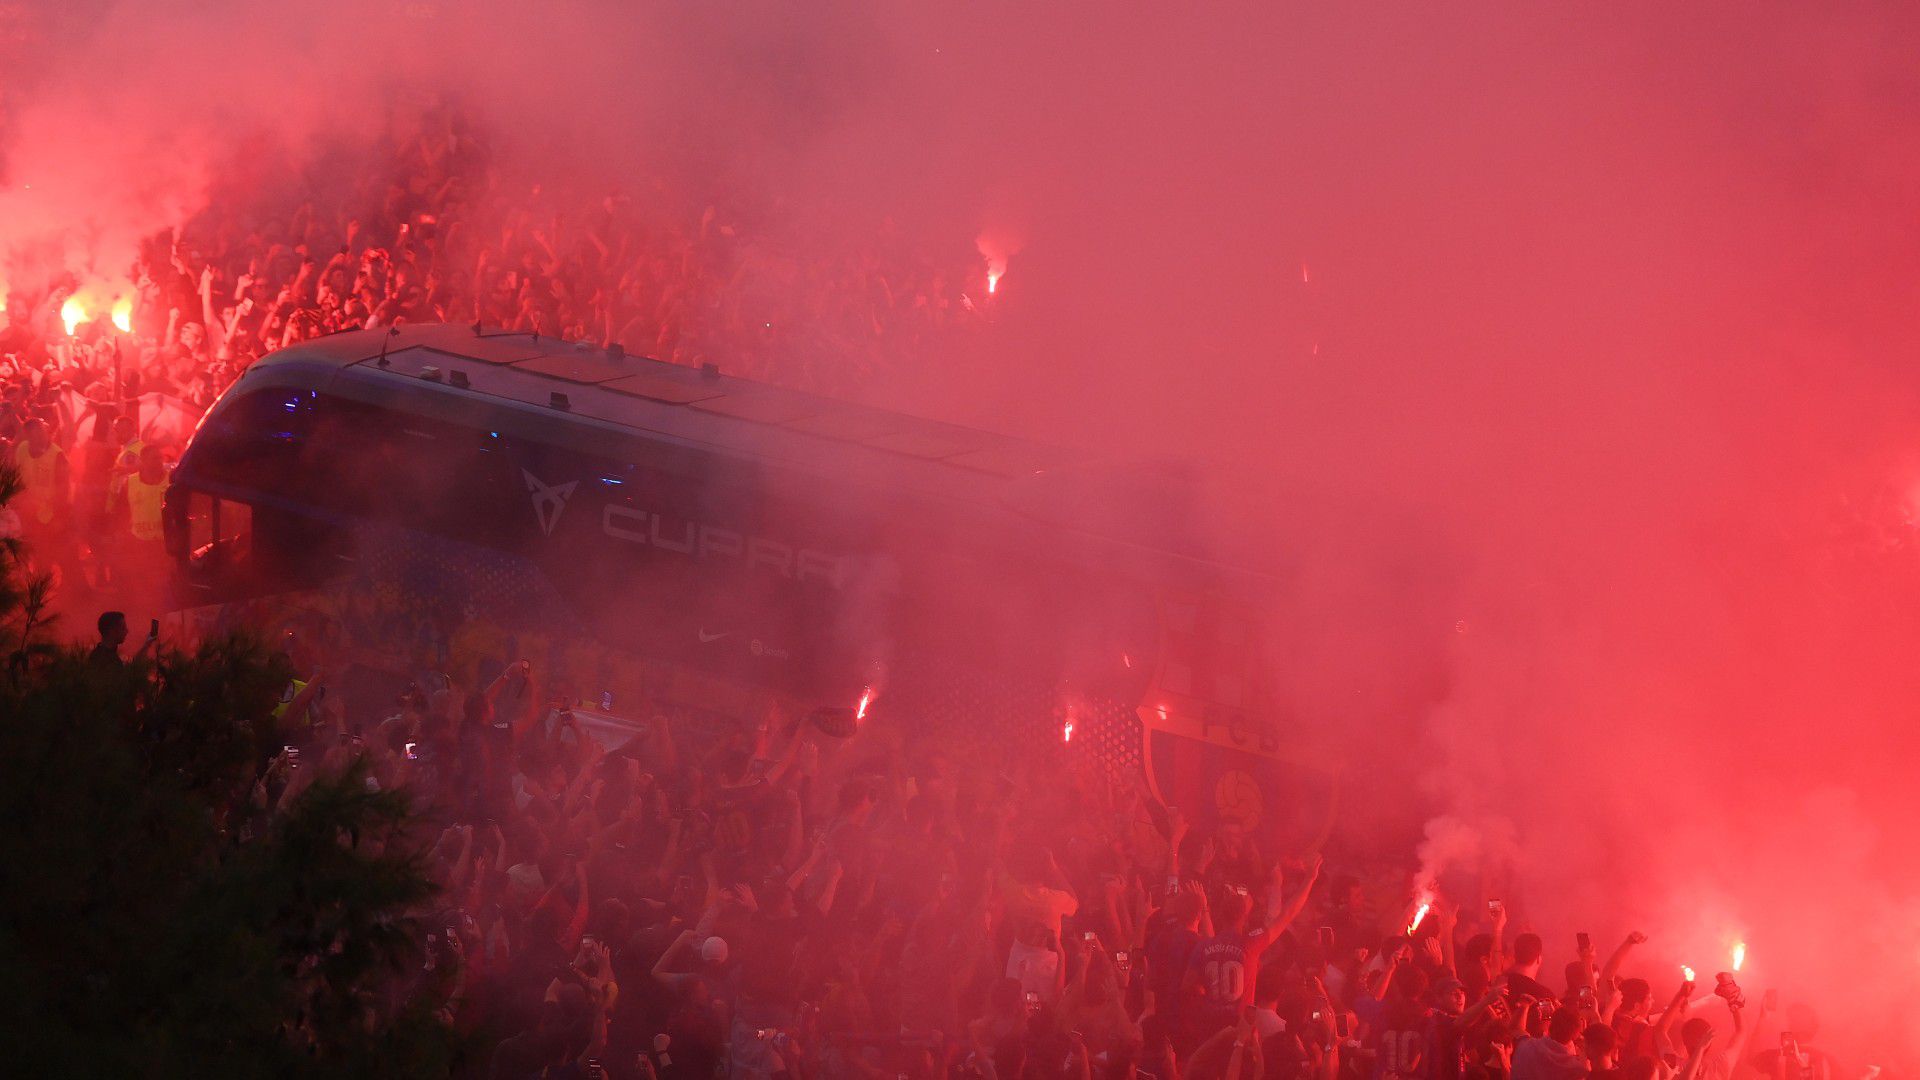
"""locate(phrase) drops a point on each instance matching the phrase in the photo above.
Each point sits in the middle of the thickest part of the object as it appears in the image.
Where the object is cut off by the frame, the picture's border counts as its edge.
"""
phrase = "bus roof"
(706, 407)
(655, 396)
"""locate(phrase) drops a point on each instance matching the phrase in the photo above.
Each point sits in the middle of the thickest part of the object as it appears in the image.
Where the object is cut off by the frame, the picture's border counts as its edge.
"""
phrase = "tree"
(158, 918)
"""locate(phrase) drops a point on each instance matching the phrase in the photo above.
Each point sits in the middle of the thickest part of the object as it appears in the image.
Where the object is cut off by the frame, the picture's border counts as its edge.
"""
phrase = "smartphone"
(606, 701)
(1342, 1026)
(1585, 941)
(1494, 907)
(413, 751)
(1088, 936)
(595, 1070)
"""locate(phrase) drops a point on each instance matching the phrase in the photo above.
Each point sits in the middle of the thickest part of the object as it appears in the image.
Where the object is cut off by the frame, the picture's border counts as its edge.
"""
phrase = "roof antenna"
(392, 332)
(536, 328)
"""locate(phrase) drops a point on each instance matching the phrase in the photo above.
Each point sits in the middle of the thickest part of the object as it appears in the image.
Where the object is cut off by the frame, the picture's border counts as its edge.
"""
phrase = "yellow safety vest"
(40, 477)
(128, 458)
(286, 698)
(144, 501)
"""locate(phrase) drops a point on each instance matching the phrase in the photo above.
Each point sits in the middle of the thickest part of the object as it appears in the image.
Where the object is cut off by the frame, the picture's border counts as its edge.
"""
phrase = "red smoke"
(1603, 353)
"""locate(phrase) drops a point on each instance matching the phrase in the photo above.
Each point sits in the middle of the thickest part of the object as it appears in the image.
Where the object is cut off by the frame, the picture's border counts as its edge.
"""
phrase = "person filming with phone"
(112, 626)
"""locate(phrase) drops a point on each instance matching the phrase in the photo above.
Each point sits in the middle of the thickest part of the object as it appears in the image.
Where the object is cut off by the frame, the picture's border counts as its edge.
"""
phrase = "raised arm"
(208, 317)
(1448, 916)
(1607, 988)
(1281, 915)
(1499, 933)
(1742, 1034)
(779, 769)
(664, 971)
(581, 910)
(1671, 1015)
(1610, 971)
(1698, 1060)
(1401, 955)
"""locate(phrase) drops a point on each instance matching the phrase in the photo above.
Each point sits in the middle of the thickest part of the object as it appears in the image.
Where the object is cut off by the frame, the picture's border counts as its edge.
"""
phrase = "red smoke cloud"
(1602, 357)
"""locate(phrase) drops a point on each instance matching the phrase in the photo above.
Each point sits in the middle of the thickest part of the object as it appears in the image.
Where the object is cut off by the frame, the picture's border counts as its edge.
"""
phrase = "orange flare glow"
(994, 251)
(866, 699)
(1739, 954)
(1419, 916)
(72, 314)
(1687, 972)
(123, 314)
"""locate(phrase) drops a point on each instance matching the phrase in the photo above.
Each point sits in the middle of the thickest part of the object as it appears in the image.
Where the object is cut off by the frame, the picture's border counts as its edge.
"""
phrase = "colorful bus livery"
(503, 487)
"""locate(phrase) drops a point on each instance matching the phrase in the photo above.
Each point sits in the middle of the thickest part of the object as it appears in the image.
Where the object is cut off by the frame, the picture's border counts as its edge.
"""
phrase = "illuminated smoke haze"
(1568, 349)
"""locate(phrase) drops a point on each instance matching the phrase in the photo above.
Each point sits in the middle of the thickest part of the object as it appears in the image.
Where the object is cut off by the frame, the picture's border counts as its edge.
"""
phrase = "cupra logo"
(549, 500)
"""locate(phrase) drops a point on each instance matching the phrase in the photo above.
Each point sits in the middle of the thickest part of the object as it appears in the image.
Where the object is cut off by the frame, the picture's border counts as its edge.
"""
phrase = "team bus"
(446, 498)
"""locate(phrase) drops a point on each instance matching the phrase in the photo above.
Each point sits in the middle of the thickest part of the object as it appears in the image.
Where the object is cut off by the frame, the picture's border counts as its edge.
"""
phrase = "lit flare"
(1419, 916)
(1739, 954)
(72, 314)
(1686, 972)
(866, 699)
(123, 315)
(994, 251)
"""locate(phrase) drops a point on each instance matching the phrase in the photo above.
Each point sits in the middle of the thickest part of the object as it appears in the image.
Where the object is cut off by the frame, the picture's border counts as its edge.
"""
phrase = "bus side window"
(219, 533)
(199, 524)
(235, 521)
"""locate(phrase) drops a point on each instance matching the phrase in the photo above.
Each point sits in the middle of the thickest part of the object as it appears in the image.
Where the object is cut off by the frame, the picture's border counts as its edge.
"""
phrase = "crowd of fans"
(792, 895)
(780, 897)
(423, 228)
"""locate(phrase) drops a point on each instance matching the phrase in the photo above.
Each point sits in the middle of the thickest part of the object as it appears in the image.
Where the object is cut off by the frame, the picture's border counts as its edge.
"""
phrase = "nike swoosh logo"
(706, 637)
